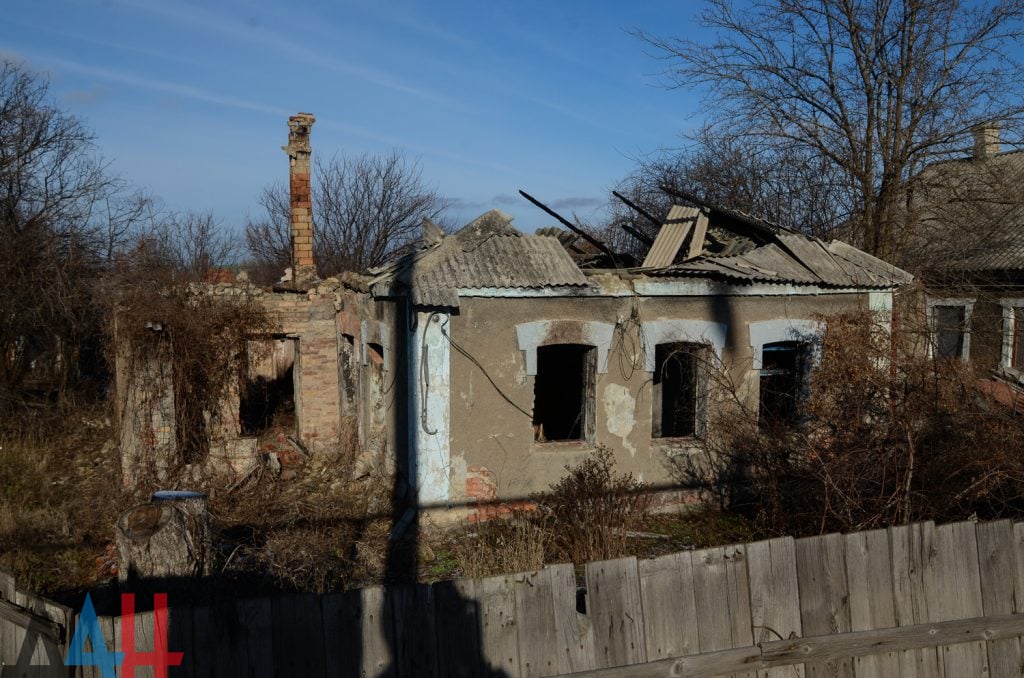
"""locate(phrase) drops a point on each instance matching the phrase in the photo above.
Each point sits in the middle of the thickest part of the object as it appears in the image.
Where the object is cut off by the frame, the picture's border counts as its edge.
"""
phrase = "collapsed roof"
(694, 242)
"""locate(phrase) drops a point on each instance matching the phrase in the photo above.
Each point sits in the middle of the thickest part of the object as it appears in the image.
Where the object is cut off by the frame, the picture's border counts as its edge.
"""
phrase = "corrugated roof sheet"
(671, 235)
(487, 252)
(796, 260)
(972, 214)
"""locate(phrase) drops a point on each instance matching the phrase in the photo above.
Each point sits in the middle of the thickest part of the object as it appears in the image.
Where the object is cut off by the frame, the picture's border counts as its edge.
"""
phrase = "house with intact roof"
(969, 250)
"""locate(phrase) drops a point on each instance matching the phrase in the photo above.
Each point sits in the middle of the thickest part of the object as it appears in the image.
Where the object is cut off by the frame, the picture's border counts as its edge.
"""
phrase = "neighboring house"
(969, 250)
(488, 360)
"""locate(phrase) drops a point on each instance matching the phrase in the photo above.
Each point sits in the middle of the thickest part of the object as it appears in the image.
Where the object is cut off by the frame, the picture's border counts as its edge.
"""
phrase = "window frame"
(803, 363)
(967, 303)
(591, 357)
(1010, 306)
(700, 353)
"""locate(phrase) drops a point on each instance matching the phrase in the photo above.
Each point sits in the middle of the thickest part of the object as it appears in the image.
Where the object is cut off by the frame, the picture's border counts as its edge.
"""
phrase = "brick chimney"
(298, 150)
(986, 140)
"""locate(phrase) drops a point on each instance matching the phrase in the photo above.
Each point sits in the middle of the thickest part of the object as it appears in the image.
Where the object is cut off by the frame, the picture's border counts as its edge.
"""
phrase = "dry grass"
(516, 543)
(59, 494)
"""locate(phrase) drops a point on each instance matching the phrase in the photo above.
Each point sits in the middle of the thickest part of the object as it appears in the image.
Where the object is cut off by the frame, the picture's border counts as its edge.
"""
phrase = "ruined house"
(484, 362)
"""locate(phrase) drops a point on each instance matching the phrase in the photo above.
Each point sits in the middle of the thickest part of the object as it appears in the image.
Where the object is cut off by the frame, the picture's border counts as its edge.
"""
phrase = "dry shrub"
(322, 531)
(203, 336)
(588, 513)
(888, 436)
(511, 544)
(59, 493)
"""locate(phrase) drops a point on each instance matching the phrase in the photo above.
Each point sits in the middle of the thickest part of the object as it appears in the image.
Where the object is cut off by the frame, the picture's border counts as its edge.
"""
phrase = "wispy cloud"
(575, 203)
(268, 39)
(86, 97)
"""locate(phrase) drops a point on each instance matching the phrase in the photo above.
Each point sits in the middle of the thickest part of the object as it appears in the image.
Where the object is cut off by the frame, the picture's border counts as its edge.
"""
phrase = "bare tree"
(366, 209)
(785, 185)
(192, 244)
(876, 88)
(61, 217)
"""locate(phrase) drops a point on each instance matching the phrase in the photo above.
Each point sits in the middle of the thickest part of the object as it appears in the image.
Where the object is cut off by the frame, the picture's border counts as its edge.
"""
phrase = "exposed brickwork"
(299, 151)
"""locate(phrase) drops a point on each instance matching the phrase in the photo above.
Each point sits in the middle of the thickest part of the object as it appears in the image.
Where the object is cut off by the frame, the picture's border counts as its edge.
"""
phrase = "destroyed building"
(485, 361)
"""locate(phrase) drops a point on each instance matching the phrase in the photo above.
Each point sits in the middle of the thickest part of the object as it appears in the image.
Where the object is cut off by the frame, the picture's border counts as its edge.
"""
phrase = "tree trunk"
(168, 538)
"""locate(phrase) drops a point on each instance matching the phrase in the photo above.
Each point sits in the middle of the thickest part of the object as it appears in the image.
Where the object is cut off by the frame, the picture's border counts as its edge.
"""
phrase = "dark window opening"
(1017, 355)
(563, 392)
(783, 365)
(680, 390)
(950, 326)
(267, 395)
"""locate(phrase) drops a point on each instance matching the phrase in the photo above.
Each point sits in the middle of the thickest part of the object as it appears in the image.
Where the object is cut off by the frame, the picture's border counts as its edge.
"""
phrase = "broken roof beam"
(572, 227)
(640, 210)
(636, 233)
(765, 230)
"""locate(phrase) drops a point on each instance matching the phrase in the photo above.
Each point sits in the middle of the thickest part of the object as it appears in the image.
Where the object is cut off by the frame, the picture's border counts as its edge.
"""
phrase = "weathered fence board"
(869, 579)
(774, 595)
(824, 596)
(415, 635)
(456, 611)
(574, 634)
(997, 564)
(911, 555)
(670, 610)
(615, 607)
(916, 601)
(535, 621)
(957, 592)
(499, 644)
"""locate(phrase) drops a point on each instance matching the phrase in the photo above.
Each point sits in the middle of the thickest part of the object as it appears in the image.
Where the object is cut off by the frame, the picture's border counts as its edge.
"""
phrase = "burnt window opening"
(347, 362)
(680, 390)
(267, 394)
(950, 329)
(563, 392)
(783, 375)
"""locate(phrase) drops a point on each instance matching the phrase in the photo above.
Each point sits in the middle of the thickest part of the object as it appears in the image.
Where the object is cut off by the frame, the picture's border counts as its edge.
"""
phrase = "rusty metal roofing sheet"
(670, 238)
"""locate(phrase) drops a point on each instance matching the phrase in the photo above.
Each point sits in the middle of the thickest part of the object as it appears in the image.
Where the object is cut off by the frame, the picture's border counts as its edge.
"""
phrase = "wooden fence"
(917, 601)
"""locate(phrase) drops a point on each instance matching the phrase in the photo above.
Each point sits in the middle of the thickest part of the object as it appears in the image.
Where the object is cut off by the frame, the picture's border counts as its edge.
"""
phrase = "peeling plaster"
(620, 413)
(785, 329)
(691, 331)
(545, 332)
(430, 406)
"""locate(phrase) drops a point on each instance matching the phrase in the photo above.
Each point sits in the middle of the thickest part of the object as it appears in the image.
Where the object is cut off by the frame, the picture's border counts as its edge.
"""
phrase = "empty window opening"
(375, 393)
(680, 390)
(267, 395)
(347, 361)
(563, 392)
(950, 324)
(783, 367)
(1017, 348)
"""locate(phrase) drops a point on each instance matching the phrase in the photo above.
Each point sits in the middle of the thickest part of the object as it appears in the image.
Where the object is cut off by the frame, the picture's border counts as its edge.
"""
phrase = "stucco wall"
(492, 449)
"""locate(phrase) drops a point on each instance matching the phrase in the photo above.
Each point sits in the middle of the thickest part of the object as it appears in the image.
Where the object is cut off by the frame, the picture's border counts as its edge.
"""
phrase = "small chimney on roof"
(299, 151)
(986, 140)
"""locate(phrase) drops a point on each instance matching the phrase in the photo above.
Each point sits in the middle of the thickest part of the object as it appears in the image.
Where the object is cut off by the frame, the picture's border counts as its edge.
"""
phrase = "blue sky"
(190, 100)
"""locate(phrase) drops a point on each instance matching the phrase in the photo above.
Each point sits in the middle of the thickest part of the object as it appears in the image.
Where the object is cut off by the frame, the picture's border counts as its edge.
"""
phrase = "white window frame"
(968, 305)
(1009, 318)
